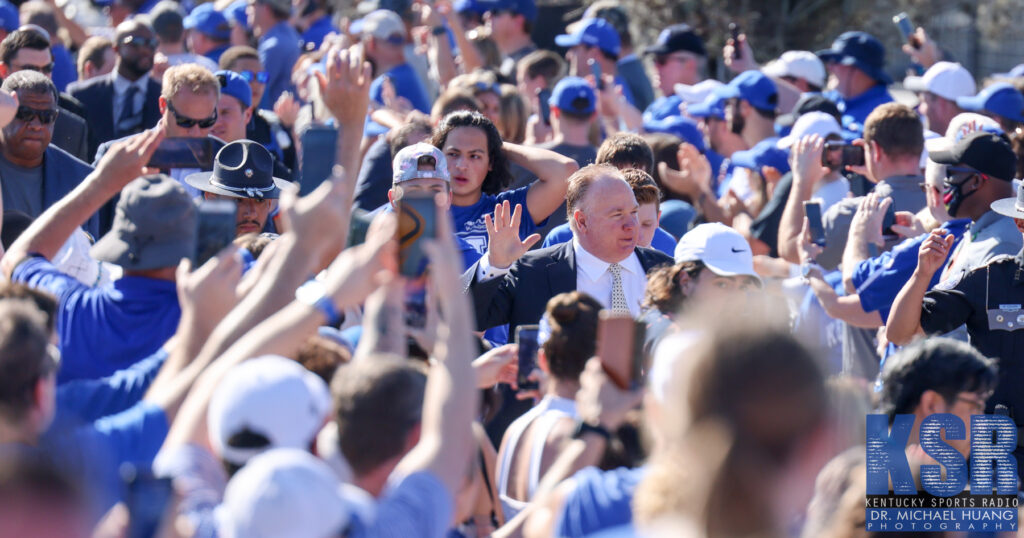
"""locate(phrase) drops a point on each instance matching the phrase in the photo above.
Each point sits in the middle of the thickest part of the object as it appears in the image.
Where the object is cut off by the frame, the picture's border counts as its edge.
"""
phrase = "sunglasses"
(138, 42)
(187, 122)
(44, 69)
(26, 114)
(259, 76)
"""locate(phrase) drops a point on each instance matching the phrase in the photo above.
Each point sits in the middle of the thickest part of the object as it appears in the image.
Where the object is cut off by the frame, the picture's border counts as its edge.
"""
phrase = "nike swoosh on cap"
(740, 250)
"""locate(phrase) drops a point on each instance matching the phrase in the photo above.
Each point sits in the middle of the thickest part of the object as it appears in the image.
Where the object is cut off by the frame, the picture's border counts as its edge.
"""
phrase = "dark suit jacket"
(97, 97)
(71, 134)
(61, 174)
(522, 295)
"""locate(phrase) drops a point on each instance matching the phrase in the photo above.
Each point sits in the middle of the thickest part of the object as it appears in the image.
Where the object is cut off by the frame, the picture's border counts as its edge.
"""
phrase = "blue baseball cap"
(754, 87)
(8, 16)
(526, 8)
(712, 107)
(861, 50)
(663, 108)
(1000, 98)
(594, 32)
(233, 84)
(208, 21)
(684, 128)
(469, 6)
(236, 12)
(573, 95)
(764, 153)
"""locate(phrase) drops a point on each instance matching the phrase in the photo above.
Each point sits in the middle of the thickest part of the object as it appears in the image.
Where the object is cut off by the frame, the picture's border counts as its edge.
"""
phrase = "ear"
(88, 69)
(542, 360)
(391, 197)
(4, 70)
(248, 115)
(931, 402)
(686, 283)
(162, 102)
(745, 108)
(580, 218)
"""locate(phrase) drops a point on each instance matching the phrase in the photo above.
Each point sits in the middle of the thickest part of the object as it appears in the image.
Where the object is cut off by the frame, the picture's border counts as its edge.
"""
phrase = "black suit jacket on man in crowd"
(97, 98)
(520, 298)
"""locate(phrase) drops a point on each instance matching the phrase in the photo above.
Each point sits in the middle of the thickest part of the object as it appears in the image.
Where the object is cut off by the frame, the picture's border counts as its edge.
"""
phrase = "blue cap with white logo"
(233, 84)
(765, 153)
(684, 128)
(208, 21)
(573, 95)
(754, 87)
(594, 32)
(712, 107)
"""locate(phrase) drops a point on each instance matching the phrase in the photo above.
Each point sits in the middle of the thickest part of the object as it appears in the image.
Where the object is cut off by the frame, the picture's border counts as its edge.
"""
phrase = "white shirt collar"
(594, 267)
(121, 84)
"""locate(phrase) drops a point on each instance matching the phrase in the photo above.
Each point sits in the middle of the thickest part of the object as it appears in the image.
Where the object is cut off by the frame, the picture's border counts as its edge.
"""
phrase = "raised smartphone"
(215, 229)
(526, 340)
(319, 145)
(620, 341)
(179, 152)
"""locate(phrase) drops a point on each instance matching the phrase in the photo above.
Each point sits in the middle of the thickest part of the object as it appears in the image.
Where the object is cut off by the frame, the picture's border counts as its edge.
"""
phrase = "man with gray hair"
(35, 174)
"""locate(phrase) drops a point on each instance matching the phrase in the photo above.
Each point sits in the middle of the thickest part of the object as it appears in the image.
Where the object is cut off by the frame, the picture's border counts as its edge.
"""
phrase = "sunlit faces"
(420, 187)
(465, 148)
(252, 213)
(648, 215)
(712, 287)
(189, 105)
(25, 140)
(232, 117)
(607, 220)
(252, 65)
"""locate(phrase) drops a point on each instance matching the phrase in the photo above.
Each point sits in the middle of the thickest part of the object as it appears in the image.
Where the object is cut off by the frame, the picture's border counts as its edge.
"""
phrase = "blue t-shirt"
(470, 224)
(855, 110)
(878, 280)
(215, 54)
(601, 500)
(85, 400)
(662, 240)
(407, 84)
(94, 452)
(102, 330)
(279, 50)
(64, 71)
(317, 31)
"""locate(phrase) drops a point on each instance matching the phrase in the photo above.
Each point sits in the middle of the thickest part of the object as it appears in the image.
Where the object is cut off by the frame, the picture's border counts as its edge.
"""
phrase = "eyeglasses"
(978, 404)
(44, 69)
(487, 87)
(259, 76)
(187, 122)
(26, 114)
(138, 41)
(663, 59)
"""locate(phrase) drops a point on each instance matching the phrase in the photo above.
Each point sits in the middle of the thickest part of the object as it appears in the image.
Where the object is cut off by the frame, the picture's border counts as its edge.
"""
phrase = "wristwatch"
(314, 293)
(583, 427)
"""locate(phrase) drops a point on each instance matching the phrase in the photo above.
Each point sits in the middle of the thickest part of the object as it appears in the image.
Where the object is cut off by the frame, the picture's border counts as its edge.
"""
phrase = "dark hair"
(254, 243)
(40, 14)
(238, 52)
(543, 63)
(401, 138)
(377, 403)
(645, 190)
(323, 356)
(665, 148)
(498, 176)
(454, 100)
(626, 150)
(943, 365)
(244, 439)
(24, 358)
(573, 319)
(45, 302)
(93, 50)
(896, 129)
(26, 38)
(168, 22)
(29, 81)
(663, 291)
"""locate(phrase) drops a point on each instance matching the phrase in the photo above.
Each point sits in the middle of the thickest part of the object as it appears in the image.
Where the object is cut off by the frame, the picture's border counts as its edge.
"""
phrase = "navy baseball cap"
(764, 153)
(676, 38)
(233, 84)
(526, 8)
(594, 32)
(573, 95)
(684, 128)
(1000, 98)
(861, 50)
(988, 153)
(754, 87)
(712, 107)
(208, 21)
(8, 16)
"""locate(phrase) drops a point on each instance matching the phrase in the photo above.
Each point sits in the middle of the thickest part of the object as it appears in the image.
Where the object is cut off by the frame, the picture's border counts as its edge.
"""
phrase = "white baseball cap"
(382, 24)
(283, 492)
(800, 64)
(720, 248)
(960, 126)
(697, 93)
(822, 124)
(405, 166)
(271, 396)
(947, 80)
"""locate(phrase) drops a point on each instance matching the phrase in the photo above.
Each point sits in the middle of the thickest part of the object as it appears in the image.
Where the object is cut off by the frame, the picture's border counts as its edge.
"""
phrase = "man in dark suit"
(123, 102)
(29, 48)
(35, 174)
(509, 285)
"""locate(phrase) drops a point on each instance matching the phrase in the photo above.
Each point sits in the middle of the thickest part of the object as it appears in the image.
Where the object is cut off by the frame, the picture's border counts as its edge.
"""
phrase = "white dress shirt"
(592, 277)
(121, 85)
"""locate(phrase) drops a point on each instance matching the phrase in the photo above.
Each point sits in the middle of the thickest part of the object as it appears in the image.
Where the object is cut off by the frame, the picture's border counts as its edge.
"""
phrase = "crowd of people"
(775, 254)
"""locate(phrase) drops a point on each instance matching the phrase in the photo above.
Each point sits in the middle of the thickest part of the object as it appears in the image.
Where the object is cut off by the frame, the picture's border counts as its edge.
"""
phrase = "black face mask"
(953, 196)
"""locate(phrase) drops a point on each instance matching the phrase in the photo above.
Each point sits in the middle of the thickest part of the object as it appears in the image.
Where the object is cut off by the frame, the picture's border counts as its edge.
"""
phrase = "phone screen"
(526, 339)
(906, 28)
(838, 155)
(813, 212)
(147, 498)
(620, 341)
(215, 229)
(319, 146)
(545, 109)
(595, 69)
(734, 32)
(183, 153)
(417, 220)
(888, 220)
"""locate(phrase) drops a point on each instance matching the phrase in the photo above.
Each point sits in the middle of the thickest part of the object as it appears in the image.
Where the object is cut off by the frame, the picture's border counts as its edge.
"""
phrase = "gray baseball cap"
(154, 226)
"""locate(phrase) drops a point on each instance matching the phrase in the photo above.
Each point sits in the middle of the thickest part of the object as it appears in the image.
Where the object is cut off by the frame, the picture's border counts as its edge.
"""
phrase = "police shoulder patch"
(951, 281)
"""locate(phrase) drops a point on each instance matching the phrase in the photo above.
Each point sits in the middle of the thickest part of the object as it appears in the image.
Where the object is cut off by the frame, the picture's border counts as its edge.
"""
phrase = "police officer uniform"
(990, 301)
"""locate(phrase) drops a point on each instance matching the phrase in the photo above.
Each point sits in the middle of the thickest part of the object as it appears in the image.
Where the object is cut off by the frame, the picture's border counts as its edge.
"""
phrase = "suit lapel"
(151, 107)
(562, 270)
